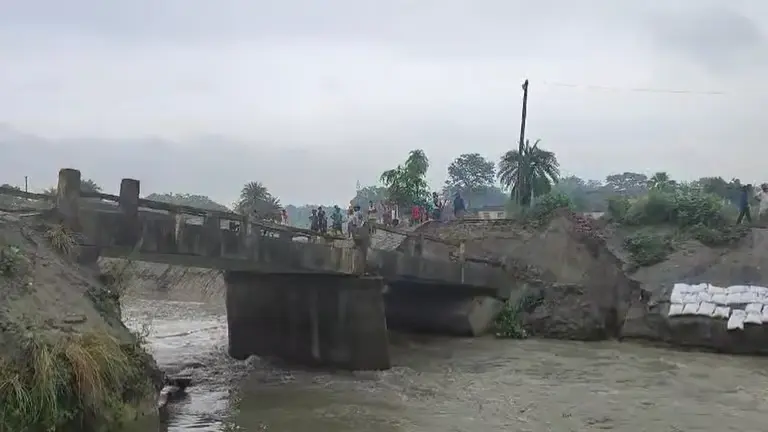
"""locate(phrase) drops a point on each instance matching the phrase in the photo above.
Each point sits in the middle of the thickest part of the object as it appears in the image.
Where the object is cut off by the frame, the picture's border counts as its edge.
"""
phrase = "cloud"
(338, 91)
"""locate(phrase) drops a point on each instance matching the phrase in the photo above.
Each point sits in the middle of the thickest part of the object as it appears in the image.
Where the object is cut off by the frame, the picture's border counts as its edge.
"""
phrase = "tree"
(199, 201)
(8, 201)
(407, 183)
(661, 181)
(369, 193)
(256, 199)
(538, 169)
(86, 185)
(627, 183)
(470, 172)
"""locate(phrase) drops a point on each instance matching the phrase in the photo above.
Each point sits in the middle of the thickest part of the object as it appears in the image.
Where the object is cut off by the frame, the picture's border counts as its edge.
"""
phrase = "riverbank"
(67, 362)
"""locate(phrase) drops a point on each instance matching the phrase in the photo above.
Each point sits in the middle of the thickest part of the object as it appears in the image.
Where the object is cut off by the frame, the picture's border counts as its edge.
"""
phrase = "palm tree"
(255, 198)
(660, 181)
(538, 169)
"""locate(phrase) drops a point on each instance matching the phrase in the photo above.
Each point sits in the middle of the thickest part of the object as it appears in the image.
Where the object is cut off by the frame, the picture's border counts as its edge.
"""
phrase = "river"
(454, 385)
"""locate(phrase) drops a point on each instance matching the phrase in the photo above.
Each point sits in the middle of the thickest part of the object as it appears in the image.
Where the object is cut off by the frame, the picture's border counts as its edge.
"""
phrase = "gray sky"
(201, 96)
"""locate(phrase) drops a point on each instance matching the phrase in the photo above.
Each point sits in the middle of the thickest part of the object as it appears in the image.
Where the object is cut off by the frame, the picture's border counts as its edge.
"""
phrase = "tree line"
(530, 173)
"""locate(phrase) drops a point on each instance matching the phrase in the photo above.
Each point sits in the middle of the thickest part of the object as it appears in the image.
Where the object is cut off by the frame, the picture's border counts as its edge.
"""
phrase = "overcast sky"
(308, 97)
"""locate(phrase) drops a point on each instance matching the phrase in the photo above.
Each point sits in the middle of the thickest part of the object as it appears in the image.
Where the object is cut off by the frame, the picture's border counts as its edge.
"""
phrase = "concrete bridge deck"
(311, 298)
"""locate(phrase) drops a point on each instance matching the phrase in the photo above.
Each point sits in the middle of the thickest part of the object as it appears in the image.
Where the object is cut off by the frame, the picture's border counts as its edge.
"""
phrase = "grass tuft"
(76, 383)
(62, 239)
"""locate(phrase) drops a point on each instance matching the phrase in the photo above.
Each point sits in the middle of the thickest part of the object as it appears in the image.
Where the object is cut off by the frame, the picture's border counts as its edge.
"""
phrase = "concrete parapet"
(324, 320)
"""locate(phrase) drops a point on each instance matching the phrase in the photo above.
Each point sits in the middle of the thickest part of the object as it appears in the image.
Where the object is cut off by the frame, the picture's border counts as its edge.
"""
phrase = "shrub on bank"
(79, 382)
(647, 248)
(684, 208)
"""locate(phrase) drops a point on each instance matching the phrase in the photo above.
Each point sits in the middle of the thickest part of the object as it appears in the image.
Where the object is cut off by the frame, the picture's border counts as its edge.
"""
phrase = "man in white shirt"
(762, 196)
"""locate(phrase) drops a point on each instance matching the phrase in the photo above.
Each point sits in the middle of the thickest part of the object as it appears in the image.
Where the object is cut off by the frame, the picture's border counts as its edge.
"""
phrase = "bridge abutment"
(308, 319)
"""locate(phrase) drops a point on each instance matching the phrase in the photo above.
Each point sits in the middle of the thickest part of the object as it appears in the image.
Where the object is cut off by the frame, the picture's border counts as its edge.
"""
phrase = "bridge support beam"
(308, 319)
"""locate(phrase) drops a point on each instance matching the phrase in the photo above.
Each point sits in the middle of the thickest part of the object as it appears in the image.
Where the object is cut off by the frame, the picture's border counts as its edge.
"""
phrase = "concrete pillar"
(308, 319)
(68, 198)
(130, 231)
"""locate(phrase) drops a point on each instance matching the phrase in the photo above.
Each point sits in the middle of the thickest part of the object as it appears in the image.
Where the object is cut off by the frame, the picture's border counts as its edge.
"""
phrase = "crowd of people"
(379, 213)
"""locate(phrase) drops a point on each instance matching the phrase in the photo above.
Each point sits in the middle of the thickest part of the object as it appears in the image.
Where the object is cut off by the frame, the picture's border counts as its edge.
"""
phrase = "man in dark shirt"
(314, 221)
(458, 206)
(744, 204)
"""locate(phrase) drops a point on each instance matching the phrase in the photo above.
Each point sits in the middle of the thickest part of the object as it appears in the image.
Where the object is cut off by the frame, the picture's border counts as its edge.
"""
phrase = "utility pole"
(518, 196)
(26, 184)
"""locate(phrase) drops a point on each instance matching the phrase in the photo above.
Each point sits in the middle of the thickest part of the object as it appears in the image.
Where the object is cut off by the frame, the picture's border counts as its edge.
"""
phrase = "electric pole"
(518, 196)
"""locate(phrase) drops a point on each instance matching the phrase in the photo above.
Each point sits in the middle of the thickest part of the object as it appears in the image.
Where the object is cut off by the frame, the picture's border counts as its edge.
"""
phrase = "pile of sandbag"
(739, 304)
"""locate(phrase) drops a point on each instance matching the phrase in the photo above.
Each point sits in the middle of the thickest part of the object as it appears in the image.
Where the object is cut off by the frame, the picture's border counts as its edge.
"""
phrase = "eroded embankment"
(571, 285)
(578, 282)
(67, 362)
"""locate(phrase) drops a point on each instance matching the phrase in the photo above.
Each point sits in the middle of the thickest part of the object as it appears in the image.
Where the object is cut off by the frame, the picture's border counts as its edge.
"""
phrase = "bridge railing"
(69, 198)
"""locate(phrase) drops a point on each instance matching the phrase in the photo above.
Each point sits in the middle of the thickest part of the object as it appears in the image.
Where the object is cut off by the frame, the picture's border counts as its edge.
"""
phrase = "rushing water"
(447, 385)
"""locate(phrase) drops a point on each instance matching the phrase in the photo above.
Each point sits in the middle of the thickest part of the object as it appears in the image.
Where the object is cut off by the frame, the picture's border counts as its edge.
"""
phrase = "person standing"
(314, 222)
(459, 206)
(322, 220)
(744, 205)
(284, 217)
(372, 217)
(336, 220)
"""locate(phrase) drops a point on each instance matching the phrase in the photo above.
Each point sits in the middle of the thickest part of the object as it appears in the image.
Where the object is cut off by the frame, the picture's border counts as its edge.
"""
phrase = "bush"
(546, 205)
(684, 208)
(618, 206)
(509, 322)
(80, 382)
(11, 260)
(715, 237)
(647, 249)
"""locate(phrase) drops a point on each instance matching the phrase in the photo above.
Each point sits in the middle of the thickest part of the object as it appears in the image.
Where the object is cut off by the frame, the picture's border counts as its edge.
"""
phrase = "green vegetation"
(11, 260)
(256, 199)
(77, 382)
(529, 173)
(686, 211)
(647, 248)
(509, 322)
(62, 239)
(407, 183)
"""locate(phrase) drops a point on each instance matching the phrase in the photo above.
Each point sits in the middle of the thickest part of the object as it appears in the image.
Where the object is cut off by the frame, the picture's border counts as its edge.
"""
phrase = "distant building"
(491, 212)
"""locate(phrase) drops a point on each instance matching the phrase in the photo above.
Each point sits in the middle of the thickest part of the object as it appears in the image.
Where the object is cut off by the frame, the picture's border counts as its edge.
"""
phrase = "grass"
(62, 239)
(509, 322)
(80, 382)
(11, 260)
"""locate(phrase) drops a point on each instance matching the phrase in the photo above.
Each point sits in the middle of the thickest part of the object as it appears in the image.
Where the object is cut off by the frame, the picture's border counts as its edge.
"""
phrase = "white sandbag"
(706, 309)
(734, 298)
(691, 298)
(736, 321)
(721, 312)
(749, 297)
(698, 288)
(760, 291)
(716, 290)
(690, 308)
(720, 299)
(681, 288)
(675, 309)
(754, 318)
(765, 315)
(676, 297)
(738, 289)
(704, 297)
(753, 308)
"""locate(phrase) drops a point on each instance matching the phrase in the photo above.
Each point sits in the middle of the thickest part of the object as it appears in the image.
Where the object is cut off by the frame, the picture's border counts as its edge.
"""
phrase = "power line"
(633, 89)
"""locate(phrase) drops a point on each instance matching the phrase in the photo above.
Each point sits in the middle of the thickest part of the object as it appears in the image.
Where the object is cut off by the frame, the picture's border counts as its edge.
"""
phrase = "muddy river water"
(444, 385)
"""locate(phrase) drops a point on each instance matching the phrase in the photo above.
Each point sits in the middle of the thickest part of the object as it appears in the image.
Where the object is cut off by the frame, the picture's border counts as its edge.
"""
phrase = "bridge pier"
(308, 319)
